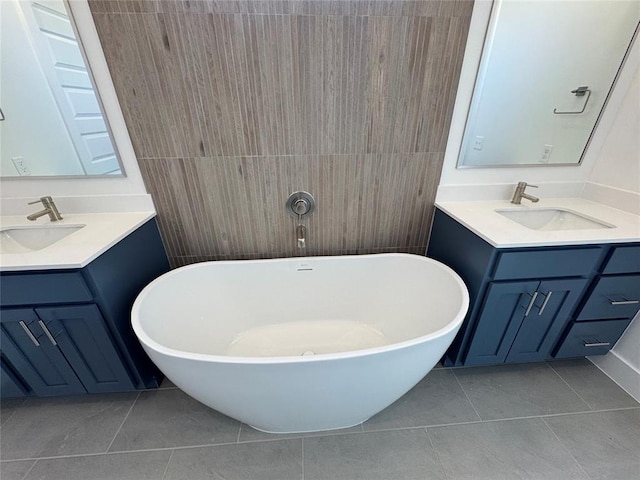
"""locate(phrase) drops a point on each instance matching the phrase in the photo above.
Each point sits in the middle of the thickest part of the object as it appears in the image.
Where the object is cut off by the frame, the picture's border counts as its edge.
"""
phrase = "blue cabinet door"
(40, 363)
(504, 309)
(591, 338)
(540, 330)
(81, 334)
(616, 296)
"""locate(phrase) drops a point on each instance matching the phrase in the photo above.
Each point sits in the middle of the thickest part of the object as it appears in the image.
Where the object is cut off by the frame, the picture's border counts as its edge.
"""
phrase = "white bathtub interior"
(287, 307)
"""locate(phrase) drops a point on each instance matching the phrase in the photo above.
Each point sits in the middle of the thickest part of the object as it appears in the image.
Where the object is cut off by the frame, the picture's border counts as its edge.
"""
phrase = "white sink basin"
(29, 239)
(552, 219)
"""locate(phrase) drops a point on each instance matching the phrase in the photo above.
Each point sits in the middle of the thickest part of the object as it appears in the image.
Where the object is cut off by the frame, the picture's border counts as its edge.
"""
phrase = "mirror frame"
(481, 69)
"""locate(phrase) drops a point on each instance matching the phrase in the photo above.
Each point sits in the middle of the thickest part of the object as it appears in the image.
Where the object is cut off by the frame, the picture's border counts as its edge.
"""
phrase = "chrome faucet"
(301, 233)
(49, 209)
(519, 194)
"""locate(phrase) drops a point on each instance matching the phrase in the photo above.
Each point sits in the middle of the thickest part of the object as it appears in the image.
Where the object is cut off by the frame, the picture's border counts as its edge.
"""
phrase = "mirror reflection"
(51, 121)
(546, 71)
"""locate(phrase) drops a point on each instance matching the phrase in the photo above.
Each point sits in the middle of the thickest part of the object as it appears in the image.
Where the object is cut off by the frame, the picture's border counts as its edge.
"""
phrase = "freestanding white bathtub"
(301, 344)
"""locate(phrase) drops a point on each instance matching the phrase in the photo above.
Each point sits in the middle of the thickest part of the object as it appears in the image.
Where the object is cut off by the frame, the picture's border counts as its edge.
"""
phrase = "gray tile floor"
(562, 420)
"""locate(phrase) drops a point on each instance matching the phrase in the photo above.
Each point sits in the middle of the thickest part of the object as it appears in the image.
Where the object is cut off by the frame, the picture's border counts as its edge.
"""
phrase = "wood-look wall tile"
(233, 85)
(455, 8)
(235, 206)
(430, 8)
(231, 106)
(176, 262)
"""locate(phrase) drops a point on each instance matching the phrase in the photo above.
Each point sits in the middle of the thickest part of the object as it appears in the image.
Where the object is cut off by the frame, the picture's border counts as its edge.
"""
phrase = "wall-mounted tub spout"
(301, 235)
(300, 205)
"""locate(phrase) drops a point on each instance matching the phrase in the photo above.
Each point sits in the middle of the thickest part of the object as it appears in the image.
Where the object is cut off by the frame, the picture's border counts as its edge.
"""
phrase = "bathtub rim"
(150, 343)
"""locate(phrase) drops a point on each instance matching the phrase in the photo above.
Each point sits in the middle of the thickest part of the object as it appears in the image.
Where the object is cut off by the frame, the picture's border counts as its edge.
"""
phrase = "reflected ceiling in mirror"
(52, 123)
(546, 71)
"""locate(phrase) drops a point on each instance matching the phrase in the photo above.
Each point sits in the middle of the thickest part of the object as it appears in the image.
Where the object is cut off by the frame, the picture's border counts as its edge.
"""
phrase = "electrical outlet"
(21, 166)
(478, 143)
(546, 153)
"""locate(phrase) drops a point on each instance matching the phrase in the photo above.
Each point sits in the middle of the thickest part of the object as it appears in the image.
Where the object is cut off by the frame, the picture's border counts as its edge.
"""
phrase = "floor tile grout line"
(7, 419)
(98, 454)
(549, 415)
(599, 410)
(466, 395)
(15, 410)
(166, 468)
(211, 445)
(568, 385)
(26, 474)
(444, 472)
(302, 456)
(123, 421)
(493, 420)
(239, 433)
(567, 450)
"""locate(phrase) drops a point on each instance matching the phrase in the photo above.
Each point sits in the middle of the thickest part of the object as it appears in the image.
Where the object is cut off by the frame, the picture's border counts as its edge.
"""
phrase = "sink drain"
(308, 352)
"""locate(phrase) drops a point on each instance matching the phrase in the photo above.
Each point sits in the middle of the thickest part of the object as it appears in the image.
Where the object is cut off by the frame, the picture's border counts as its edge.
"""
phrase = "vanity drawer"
(624, 259)
(613, 297)
(43, 288)
(591, 338)
(571, 262)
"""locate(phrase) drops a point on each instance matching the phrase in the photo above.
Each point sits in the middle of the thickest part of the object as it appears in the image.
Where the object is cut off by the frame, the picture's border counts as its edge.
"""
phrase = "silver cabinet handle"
(546, 300)
(533, 299)
(623, 302)
(597, 344)
(47, 332)
(29, 334)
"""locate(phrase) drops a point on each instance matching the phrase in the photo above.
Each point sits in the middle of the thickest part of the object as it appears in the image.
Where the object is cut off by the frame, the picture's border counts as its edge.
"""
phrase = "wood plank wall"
(233, 105)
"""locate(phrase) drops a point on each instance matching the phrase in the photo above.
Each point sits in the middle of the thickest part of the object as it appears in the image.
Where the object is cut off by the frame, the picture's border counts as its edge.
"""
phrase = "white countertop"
(481, 218)
(100, 232)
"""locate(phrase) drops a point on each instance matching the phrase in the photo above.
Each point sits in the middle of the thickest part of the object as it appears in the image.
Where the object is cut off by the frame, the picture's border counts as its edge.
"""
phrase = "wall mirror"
(546, 71)
(51, 119)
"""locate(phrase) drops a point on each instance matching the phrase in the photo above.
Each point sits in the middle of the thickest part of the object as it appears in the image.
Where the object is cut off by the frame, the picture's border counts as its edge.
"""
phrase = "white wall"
(131, 186)
(618, 162)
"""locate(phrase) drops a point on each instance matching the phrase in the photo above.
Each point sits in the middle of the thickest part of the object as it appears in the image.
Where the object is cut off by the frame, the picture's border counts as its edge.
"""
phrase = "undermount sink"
(32, 238)
(552, 219)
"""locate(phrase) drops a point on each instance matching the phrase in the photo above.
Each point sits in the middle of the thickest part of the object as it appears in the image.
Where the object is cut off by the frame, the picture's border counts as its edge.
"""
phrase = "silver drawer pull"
(29, 334)
(546, 300)
(47, 332)
(533, 299)
(598, 344)
(623, 302)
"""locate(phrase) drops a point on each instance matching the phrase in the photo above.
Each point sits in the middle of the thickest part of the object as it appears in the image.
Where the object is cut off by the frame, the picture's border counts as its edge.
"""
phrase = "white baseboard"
(626, 376)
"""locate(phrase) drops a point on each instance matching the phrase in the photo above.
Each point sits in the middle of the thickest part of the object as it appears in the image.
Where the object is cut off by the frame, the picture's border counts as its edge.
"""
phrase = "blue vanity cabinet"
(537, 303)
(505, 307)
(616, 296)
(609, 307)
(521, 321)
(41, 365)
(551, 310)
(69, 331)
(81, 334)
